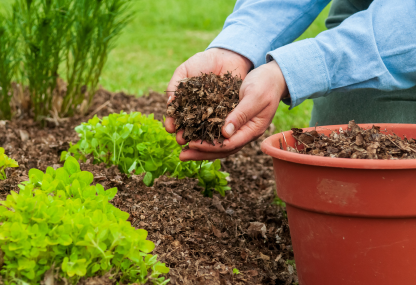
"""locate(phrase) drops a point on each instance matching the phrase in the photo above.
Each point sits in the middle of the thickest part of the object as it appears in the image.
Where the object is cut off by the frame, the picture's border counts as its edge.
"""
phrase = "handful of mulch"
(355, 142)
(202, 103)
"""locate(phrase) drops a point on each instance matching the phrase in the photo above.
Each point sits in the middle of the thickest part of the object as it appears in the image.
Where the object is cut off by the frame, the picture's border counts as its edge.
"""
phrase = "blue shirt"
(374, 48)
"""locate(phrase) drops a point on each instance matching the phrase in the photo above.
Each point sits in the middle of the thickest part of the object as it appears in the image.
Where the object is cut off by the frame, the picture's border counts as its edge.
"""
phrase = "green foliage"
(140, 143)
(8, 64)
(75, 36)
(236, 271)
(96, 26)
(279, 202)
(291, 262)
(298, 117)
(60, 222)
(43, 26)
(5, 162)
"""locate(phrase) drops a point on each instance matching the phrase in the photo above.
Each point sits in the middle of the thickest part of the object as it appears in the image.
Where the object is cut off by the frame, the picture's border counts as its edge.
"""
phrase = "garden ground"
(201, 239)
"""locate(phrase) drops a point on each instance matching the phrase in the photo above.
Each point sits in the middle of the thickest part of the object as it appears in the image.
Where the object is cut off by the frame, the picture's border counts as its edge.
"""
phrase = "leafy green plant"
(8, 63)
(60, 223)
(5, 162)
(236, 271)
(140, 143)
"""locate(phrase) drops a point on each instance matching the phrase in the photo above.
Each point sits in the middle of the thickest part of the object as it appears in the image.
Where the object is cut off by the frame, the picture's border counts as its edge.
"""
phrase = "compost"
(356, 143)
(201, 239)
(202, 103)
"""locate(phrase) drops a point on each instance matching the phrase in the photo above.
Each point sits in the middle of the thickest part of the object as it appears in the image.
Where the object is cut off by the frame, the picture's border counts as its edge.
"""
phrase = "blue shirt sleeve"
(375, 48)
(259, 26)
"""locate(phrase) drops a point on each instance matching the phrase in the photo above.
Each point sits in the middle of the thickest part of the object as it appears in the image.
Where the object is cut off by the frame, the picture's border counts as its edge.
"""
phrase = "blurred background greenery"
(165, 33)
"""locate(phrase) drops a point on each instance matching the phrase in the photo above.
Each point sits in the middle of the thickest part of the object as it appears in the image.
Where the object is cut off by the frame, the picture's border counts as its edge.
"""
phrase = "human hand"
(215, 60)
(260, 94)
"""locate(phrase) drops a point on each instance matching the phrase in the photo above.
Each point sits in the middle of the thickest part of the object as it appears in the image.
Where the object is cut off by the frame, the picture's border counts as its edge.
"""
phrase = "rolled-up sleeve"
(258, 26)
(375, 48)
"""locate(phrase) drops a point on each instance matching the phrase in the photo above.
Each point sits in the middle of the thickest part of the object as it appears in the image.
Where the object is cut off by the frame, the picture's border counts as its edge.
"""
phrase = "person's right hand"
(215, 60)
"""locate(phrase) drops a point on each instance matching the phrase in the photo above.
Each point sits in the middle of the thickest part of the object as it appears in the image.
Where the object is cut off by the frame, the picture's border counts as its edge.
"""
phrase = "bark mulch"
(356, 143)
(202, 103)
(201, 239)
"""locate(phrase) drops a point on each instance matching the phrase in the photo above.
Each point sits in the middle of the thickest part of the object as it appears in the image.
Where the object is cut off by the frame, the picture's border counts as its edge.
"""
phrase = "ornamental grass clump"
(60, 226)
(8, 64)
(67, 38)
(140, 144)
(96, 26)
(43, 26)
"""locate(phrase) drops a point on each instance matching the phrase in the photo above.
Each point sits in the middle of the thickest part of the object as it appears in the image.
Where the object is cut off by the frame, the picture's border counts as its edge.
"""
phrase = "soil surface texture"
(202, 103)
(201, 239)
(356, 143)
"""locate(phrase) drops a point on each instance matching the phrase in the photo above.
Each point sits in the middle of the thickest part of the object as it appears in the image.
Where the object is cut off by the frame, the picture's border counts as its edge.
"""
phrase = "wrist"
(242, 61)
(283, 91)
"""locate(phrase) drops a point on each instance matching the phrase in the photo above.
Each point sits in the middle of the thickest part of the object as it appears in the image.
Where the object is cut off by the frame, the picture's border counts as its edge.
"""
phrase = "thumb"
(248, 108)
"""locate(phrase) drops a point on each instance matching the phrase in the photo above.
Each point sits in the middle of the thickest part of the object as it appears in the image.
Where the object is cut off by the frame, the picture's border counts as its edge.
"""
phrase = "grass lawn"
(165, 33)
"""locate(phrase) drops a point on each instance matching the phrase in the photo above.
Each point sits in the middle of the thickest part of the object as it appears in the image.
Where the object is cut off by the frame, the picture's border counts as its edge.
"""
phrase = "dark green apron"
(361, 105)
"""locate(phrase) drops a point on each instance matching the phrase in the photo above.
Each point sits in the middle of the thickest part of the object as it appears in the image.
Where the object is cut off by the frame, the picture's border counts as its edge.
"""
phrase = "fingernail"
(230, 129)
(170, 97)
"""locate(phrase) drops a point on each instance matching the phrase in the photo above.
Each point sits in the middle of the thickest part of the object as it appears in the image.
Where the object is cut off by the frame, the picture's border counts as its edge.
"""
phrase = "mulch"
(202, 103)
(201, 239)
(356, 143)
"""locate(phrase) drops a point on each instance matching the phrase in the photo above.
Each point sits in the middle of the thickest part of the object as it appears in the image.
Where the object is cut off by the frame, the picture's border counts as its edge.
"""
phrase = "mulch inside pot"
(201, 239)
(356, 143)
(202, 103)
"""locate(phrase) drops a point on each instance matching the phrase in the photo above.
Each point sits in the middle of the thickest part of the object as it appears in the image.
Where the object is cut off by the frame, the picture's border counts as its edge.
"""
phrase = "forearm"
(256, 27)
(375, 48)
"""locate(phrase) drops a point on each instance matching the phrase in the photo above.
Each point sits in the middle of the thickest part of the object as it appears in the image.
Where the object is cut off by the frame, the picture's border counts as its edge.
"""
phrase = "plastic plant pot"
(352, 221)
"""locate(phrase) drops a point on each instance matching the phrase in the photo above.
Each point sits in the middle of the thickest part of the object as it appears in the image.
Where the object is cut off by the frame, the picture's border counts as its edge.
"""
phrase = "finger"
(208, 147)
(191, 154)
(170, 125)
(249, 132)
(179, 74)
(249, 107)
(180, 140)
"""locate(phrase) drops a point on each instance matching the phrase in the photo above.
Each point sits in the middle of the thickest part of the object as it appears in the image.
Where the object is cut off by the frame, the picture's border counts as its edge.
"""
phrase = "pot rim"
(275, 152)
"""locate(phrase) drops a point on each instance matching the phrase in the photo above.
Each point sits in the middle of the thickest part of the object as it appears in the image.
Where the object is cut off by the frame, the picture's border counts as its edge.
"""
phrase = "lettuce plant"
(140, 143)
(60, 223)
(5, 162)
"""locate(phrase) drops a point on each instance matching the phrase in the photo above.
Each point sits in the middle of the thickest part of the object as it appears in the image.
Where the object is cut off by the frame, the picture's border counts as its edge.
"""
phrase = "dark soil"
(202, 103)
(356, 143)
(201, 239)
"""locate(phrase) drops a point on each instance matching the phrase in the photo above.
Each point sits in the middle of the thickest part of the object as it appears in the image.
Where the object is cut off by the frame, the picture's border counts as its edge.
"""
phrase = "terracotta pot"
(352, 221)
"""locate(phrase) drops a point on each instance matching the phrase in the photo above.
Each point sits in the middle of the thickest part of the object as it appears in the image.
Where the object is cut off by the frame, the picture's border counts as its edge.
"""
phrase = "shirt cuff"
(245, 41)
(304, 68)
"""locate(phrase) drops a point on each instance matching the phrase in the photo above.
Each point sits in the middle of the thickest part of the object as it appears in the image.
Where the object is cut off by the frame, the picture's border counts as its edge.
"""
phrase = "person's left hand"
(260, 94)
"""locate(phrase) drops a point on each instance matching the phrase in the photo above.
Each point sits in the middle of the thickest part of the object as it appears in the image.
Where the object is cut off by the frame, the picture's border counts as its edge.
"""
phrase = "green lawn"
(165, 33)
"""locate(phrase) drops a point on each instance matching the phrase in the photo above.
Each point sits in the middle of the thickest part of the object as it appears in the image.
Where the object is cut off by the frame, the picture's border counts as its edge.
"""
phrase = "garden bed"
(201, 239)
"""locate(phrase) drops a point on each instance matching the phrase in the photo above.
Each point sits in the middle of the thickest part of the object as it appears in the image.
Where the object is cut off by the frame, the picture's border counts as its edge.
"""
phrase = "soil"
(201, 239)
(355, 142)
(202, 103)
